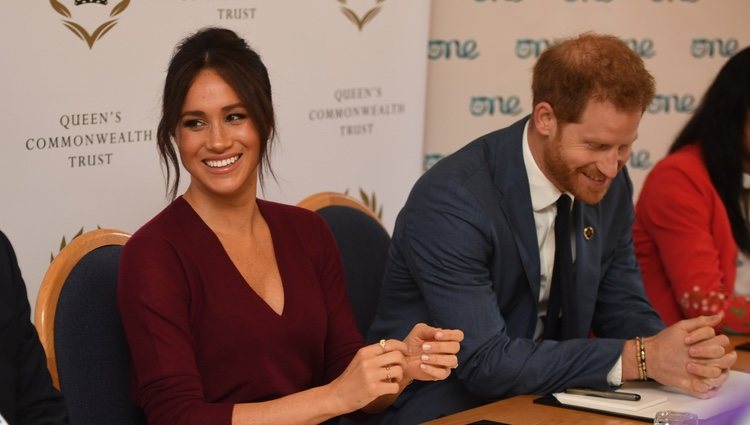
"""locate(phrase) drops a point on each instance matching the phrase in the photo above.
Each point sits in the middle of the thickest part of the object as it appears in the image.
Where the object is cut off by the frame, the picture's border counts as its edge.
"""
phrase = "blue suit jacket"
(27, 396)
(464, 255)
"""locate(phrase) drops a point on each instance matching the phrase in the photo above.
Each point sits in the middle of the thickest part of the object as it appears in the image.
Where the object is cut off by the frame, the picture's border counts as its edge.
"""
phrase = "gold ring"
(382, 345)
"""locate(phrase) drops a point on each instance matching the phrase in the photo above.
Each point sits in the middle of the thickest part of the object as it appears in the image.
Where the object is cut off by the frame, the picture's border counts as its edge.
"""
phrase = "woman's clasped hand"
(388, 366)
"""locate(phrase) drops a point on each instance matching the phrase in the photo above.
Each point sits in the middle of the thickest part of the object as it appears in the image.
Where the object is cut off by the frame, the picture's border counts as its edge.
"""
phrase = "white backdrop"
(482, 51)
(79, 118)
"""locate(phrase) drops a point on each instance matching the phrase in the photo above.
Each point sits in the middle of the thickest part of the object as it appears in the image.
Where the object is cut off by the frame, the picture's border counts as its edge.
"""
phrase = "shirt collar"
(745, 181)
(543, 192)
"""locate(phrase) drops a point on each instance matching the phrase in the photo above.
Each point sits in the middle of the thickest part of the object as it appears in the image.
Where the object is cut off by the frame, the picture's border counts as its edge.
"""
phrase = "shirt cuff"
(614, 377)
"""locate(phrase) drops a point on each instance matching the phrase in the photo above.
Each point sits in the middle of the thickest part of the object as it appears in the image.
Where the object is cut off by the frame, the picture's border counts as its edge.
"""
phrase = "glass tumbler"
(669, 417)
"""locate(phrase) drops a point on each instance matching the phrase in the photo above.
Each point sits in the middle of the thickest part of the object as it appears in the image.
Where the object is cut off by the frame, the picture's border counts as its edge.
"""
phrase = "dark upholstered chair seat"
(82, 334)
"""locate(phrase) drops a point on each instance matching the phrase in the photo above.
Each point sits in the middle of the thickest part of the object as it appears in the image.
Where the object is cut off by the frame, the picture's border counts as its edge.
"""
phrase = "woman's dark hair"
(718, 127)
(240, 66)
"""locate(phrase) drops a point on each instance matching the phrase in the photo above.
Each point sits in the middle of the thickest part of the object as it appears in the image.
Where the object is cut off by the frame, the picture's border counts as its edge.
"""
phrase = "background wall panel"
(81, 93)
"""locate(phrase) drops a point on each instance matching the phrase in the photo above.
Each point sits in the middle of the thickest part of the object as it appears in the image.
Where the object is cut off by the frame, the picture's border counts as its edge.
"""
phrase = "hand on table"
(386, 367)
(690, 356)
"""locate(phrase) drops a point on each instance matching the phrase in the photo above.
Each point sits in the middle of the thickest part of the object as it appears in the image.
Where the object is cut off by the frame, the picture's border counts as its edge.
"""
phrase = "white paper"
(648, 399)
(734, 393)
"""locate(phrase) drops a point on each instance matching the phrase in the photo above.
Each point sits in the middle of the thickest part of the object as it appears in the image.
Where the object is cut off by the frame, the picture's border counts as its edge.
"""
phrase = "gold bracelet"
(638, 357)
(641, 358)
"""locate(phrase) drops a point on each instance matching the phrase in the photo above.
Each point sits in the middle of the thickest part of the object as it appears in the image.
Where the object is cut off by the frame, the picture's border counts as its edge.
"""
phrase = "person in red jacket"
(692, 228)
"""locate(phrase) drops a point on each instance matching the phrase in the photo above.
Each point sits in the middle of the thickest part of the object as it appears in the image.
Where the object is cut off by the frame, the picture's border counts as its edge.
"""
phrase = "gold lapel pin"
(588, 233)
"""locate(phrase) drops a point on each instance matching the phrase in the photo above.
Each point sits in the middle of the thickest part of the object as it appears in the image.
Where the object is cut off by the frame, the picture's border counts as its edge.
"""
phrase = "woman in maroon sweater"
(235, 308)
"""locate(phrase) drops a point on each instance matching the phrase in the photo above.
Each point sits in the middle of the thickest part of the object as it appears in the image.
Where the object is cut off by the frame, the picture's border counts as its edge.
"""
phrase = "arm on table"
(447, 246)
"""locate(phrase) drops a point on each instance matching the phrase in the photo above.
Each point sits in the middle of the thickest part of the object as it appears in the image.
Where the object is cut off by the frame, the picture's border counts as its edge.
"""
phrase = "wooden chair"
(318, 201)
(81, 332)
(363, 243)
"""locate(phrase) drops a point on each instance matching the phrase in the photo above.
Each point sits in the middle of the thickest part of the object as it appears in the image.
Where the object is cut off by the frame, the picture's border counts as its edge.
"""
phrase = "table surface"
(522, 410)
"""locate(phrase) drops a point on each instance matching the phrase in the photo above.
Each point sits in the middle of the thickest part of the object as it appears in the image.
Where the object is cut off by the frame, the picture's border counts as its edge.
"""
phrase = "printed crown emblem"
(78, 29)
(354, 17)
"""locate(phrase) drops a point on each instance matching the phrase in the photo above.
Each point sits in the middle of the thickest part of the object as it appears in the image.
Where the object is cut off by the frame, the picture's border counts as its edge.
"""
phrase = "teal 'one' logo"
(643, 47)
(532, 48)
(710, 47)
(445, 49)
(640, 159)
(491, 105)
(667, 103)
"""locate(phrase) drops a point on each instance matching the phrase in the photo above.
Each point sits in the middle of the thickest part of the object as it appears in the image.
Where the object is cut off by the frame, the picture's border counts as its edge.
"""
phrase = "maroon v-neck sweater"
(203, 340)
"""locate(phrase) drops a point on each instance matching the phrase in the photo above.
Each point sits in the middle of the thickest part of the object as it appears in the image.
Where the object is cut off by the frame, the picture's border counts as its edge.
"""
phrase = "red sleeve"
(737, 318)
(736, 308)
(677, 209)
(154, 300)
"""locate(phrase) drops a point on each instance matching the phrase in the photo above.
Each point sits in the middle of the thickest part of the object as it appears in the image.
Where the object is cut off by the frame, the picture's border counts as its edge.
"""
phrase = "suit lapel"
(588, 239)
(515, 200)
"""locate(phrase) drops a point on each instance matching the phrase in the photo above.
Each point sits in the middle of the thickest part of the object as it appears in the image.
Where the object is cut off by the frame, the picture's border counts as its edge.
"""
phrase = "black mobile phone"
(743, 347)
(487, 422)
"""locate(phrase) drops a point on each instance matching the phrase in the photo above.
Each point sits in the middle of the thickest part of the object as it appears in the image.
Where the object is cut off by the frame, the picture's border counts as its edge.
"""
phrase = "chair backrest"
(80, 328)
(363, 243)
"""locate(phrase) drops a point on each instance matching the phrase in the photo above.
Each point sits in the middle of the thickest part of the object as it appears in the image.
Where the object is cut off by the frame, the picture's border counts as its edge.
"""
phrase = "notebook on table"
(735, 393)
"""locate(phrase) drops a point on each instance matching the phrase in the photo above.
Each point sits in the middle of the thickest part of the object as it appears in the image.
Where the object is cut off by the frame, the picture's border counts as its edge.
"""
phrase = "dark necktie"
(562, 272)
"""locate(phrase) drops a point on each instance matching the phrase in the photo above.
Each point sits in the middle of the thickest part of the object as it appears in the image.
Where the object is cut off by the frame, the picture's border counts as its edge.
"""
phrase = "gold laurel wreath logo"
(367, 17)
(80, 31)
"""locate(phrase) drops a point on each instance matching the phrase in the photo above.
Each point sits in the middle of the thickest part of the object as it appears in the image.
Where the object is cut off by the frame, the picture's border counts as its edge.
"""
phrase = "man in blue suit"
(474, 249)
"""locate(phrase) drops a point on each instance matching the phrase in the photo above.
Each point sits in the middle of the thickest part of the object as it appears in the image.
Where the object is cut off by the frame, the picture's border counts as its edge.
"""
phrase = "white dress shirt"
(544, 197)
